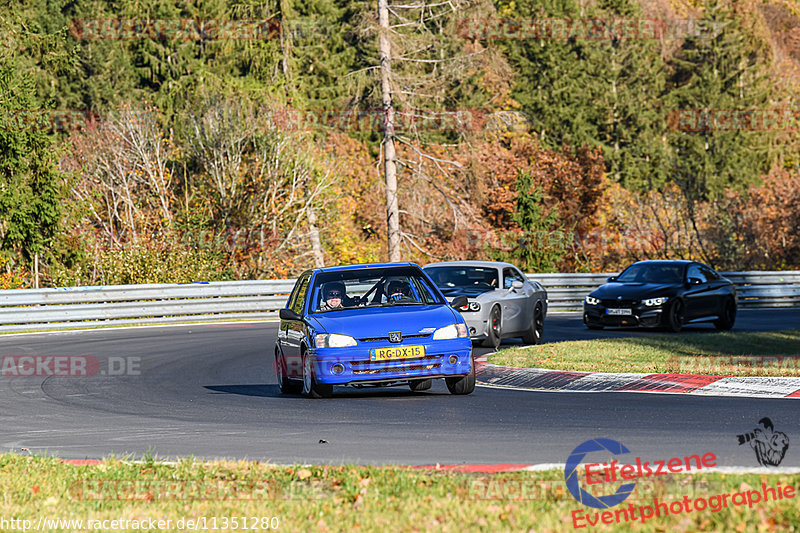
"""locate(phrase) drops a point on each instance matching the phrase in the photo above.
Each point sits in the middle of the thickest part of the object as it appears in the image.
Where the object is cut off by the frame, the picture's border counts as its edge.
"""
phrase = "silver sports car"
(503, 303)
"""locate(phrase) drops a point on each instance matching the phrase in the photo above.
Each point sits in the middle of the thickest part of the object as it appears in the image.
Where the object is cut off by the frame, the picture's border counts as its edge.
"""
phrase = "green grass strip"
(731, 354)
(356, 498)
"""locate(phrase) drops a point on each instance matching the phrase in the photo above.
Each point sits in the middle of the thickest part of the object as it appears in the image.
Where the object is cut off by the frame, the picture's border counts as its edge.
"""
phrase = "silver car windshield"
(449, 277)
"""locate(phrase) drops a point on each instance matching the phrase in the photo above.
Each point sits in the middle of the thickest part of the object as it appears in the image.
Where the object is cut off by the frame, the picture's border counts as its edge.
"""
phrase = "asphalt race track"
(209, 391)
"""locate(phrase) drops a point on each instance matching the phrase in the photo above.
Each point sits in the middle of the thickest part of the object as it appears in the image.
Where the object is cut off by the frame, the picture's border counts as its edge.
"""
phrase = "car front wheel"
(465, 384)
(311, 388)
(674, 318)
(493, 338)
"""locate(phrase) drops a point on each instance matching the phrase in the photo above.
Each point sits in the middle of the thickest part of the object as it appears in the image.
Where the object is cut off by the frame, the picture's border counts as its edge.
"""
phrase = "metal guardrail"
(565, 292)
(81, 307)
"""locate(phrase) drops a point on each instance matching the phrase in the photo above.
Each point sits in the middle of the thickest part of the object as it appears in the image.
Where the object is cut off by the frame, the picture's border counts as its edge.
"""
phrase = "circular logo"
(571, 475)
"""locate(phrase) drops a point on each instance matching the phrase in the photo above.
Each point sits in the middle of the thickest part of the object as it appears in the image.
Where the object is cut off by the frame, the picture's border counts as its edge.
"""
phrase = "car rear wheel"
(465, 384)
(311, 388)
(419, 385)
(495, 329)
(674, 318)
(728, 316)
(287, 386)
(536, 329)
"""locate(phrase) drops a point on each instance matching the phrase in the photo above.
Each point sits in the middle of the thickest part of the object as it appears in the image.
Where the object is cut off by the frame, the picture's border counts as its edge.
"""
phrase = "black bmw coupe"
(662, 293)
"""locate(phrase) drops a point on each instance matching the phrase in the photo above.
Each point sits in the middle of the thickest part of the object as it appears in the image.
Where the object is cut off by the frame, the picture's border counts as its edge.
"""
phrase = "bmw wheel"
(674, 318)
(728, 316)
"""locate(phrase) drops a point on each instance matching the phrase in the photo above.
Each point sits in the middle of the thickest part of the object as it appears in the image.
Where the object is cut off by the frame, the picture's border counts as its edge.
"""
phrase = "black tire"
(311, 388)
(419, 385)
(725, 322)
(463, 384)
(536, 329)
(287, 385)
(495, 330)
(674, 318)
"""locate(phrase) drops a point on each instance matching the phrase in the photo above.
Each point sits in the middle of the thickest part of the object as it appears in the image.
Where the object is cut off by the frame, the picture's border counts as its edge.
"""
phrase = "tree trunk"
(389, 163)
(284, 44)
(316, 246)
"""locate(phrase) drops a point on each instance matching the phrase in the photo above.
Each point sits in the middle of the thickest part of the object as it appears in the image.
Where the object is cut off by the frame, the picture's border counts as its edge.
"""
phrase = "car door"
(516, 302)
(699, 293)
(718, 288)
(292, 331)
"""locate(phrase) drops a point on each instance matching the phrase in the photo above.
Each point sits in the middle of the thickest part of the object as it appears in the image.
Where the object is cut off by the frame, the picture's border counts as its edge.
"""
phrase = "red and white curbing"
(544, 380)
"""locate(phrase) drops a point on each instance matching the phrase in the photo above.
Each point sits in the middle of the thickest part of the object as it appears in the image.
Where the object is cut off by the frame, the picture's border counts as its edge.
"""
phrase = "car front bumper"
(352, 365)
(477, 323)
(641, 316)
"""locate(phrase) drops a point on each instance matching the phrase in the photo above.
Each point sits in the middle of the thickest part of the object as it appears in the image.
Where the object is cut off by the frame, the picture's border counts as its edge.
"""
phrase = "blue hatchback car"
(371, 325)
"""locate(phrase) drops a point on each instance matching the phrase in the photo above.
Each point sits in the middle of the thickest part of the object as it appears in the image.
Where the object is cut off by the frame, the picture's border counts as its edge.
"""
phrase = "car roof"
(666, 262)
(362, 266)
(485, 264)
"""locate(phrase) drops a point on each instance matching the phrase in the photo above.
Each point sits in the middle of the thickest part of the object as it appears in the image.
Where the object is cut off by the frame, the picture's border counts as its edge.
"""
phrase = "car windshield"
(652, 273)
(449, 277)
(373, 287)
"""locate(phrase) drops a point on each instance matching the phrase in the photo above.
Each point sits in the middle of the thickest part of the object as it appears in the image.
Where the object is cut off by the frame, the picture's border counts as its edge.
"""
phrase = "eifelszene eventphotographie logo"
(615, 471)
(770, 445)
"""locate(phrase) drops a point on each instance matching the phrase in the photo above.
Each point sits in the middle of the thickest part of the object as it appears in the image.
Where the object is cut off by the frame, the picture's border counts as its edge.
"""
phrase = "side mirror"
(288, 314)
(694, 281)
(517, 284)
(611, 278)
(459, 301)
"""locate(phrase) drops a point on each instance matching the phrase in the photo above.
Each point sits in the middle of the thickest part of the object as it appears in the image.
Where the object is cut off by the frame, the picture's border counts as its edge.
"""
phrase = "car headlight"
(333, 340)
(591, 300)
(453, 331)
(474, 306)
(656, 301)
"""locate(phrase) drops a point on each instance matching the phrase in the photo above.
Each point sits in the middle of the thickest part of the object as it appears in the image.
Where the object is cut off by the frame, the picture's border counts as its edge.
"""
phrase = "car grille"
(386, 337)
(410, 360)
(395, 369)
(619, 303)
(427, 362)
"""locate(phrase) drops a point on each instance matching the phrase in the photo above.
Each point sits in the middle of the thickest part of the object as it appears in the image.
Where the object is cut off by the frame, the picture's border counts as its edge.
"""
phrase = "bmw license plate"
(619, 311)
(399, 352)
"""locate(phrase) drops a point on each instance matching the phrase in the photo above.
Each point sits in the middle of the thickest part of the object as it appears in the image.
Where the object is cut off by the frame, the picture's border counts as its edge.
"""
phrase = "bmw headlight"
(591, 300)
(652, 302)
(453, 331)
(333, 340)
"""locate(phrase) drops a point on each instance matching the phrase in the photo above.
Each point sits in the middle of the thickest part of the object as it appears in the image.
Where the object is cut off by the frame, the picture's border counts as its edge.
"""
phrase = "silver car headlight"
(453, 331)
(333, 340)
(474, 306)
(652, 302)
(591, 300)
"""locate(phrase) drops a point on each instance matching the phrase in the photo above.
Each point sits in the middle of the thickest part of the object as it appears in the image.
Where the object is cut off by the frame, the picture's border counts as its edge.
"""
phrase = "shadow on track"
(272, 391)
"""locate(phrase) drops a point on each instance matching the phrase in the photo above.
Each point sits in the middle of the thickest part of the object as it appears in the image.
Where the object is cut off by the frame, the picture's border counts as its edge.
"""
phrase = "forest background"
(242, 140)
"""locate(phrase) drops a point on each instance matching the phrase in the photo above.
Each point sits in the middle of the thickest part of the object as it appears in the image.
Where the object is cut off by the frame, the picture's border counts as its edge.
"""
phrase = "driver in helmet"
(332, 296)
(397, 291)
